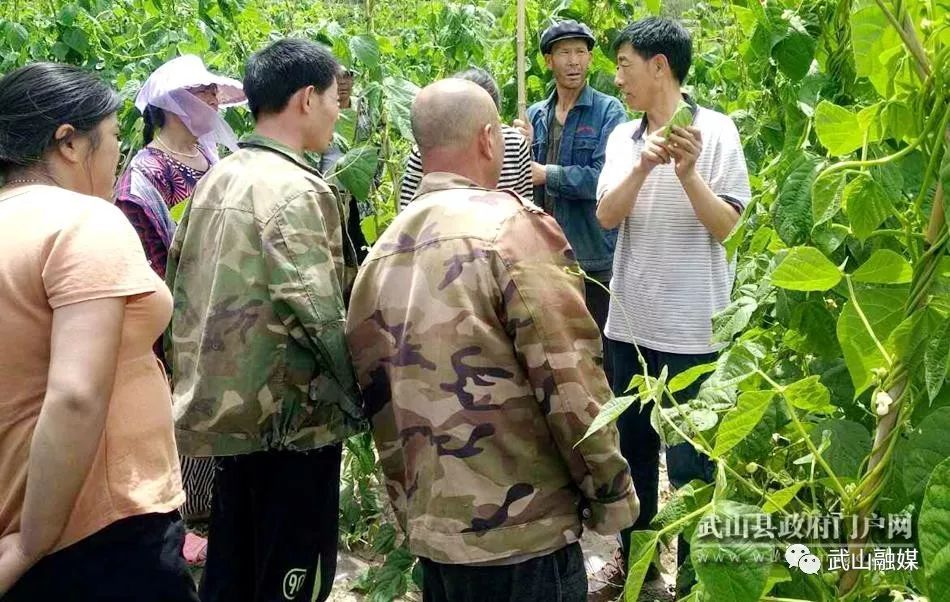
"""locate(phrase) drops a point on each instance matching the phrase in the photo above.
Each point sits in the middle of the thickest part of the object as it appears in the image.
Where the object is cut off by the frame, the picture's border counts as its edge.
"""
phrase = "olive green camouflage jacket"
(481, 370)
(258, 268)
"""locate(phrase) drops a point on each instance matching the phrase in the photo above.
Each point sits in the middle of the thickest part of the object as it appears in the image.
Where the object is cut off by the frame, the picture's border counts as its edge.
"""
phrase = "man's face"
(345, 87)
(636, 78)
(324, 111)
(569, 60)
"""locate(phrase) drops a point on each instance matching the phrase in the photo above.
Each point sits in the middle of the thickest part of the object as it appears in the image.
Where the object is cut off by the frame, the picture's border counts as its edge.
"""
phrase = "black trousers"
(273, 529)
(640, 444)
(598, 304)
(137, 558)
(556, 577)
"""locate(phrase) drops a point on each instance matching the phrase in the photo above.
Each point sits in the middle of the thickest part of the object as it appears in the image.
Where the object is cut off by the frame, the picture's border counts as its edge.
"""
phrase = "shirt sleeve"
(97, 255)
(152, 244)
(617, 164)
(524, 187)
(730, 176)
(559, 346)
(302, 247)
(411, 180)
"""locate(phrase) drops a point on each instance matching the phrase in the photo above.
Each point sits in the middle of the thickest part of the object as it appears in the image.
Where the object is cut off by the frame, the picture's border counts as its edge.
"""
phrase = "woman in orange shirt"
(89, 474)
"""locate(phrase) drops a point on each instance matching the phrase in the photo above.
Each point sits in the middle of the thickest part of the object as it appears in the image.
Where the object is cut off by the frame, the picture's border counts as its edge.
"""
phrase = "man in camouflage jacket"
(258, 269)
(481, 371)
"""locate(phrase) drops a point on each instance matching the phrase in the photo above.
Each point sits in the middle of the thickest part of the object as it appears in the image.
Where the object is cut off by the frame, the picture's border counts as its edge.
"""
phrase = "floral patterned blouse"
(154, 183)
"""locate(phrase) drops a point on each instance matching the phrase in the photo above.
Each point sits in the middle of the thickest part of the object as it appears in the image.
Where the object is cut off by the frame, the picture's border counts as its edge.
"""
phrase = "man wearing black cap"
(570, 130)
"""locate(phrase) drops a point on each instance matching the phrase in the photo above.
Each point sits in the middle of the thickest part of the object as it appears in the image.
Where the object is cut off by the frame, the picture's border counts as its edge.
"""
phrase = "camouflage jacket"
(481, 370)
(258, 268)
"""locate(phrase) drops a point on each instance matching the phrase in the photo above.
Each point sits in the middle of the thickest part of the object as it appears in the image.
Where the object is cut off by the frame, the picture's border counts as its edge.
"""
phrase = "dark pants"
(273, 530)
(137, 558)
(556, 577)
(640, 444)
(598, 303)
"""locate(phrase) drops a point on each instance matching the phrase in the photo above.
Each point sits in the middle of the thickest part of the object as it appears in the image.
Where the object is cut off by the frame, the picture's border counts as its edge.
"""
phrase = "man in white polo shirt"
(674, 199)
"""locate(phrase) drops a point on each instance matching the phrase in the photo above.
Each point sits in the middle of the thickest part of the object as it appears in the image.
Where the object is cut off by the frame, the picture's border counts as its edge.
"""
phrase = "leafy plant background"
(840, 308)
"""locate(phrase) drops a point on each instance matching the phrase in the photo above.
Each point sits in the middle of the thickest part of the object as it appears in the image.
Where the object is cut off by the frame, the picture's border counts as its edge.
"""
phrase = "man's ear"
(549, 61)
(307, 99)
(68, 144)
(486, 142)
(660, 64)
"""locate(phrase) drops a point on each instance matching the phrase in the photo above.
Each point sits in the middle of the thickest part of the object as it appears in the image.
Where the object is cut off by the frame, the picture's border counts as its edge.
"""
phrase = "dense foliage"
(830, 396)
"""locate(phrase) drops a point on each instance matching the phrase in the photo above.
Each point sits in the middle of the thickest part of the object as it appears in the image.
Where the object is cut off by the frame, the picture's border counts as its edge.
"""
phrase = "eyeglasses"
(206, 89)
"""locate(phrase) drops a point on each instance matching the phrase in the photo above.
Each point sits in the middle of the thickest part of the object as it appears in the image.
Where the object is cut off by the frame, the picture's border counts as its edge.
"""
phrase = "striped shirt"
(515, 172)
(670, 274)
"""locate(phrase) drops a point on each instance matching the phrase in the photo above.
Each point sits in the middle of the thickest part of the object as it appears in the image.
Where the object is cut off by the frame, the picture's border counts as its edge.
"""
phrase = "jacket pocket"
(584, 148)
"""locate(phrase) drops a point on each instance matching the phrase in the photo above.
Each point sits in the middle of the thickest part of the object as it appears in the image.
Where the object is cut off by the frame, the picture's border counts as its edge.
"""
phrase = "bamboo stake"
(522, 93)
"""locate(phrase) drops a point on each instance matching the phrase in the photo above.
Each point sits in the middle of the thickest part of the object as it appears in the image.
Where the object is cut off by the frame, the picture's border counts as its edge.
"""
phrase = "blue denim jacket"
(572, 183)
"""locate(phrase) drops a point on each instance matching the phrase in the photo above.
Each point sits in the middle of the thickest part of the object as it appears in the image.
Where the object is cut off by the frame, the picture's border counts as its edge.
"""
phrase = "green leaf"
(928, 445)
(872, 38)
(734, 366)
(653, 6)
(178, 211)
(609, 413)
(730, 569)
(806, 269)
(810, 395)
(642, 550)
(17, 35)
(355, 171)
(826, 195)
(76, 39)
(792, 210)
(850, 443)
(884, 267)
(934, 531)
(703, 419)
(398, 102)
(686, 500)
(794, 53)
(781, 498)
(365, 49)
(687, 377)
(884, 310)
(838, 129)
(346, 126)
(936, 358)
(867, 205)
(733, 319)
(741, 420)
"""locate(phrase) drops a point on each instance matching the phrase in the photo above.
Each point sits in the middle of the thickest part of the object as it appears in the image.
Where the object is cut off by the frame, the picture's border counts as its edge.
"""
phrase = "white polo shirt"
(670, 275)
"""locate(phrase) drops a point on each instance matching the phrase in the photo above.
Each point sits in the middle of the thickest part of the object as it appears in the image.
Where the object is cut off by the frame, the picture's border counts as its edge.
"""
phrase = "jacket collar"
(586, 98)
(254, 140)
(642, 128)
(441, 180)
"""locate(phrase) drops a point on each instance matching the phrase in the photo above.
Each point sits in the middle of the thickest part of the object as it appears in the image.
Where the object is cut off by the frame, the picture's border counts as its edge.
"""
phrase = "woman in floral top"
(180, 105)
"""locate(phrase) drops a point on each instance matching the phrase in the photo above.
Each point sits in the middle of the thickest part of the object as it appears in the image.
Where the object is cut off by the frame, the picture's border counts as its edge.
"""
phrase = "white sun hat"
(167, 89)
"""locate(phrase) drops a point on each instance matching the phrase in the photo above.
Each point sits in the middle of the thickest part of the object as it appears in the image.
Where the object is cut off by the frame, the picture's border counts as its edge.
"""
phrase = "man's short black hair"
(655, 35)
(277, 72)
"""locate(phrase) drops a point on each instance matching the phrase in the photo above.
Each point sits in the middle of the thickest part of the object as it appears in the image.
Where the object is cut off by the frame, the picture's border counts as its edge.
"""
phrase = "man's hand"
(653, 154)
(524, 127)
(539, 177)
(685, 145)
(14, 562)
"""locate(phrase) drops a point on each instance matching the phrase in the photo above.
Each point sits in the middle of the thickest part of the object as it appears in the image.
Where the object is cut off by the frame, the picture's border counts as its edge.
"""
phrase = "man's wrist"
(690, 178)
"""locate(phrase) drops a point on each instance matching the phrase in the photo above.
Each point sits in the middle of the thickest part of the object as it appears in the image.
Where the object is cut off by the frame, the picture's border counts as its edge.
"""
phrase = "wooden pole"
(522, 94)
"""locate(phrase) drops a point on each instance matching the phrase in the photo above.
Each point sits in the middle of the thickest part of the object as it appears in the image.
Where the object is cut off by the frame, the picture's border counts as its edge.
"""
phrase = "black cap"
(564, 30)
